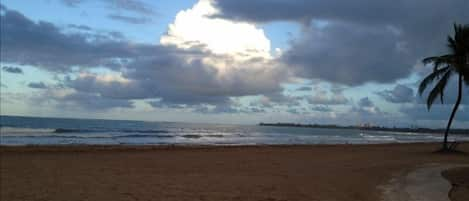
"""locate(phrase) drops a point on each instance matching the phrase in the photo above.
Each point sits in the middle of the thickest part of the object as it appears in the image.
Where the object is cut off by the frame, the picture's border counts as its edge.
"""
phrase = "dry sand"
(260, 173)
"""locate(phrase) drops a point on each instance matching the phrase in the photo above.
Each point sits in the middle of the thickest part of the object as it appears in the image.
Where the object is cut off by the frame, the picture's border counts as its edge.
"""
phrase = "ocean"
(59, 131)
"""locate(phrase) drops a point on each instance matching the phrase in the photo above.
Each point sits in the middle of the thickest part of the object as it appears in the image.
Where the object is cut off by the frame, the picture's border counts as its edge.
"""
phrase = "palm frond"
(438, 90)
(429, 79)
(438, 61)
(452, 44)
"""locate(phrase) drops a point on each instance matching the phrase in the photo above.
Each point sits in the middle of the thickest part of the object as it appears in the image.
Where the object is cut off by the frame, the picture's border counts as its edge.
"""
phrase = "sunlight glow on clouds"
(195, 27)
(105, 78)
(216, 61)
(238, 53)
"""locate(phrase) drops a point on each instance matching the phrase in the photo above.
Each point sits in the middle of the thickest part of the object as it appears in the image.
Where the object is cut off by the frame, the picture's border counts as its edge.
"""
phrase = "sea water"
(59, 131)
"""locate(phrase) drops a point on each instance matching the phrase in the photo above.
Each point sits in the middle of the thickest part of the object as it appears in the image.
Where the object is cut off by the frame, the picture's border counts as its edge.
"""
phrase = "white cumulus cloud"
(195, 27)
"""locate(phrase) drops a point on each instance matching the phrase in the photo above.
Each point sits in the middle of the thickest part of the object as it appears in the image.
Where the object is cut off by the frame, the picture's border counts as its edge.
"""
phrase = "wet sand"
(260, 173)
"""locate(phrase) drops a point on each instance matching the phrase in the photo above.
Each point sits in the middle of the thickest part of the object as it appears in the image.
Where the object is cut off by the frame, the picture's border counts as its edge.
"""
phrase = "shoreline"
(97, 147)
(211, 173)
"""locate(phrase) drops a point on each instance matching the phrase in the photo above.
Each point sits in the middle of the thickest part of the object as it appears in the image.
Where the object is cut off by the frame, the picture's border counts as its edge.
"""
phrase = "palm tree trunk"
(455, 108)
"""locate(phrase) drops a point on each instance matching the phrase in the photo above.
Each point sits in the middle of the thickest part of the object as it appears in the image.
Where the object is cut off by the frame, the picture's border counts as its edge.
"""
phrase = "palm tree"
(444, 66)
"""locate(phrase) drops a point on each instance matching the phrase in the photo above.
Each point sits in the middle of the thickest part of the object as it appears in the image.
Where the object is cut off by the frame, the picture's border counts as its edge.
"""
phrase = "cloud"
(109, 86)
(225, 108)
(187, 77)
(195, 28)
(66, 98)
(438, 112)
(37, 85)
(257, 110)
(177, 81)
(80, 27)
(366, 107)
(44, 45)
(230, 107)
(322, 97)
(11, 69)
(135, 6)
(93, 102)
(355, 42)
(2, 7)
(400, 94)
(304, 88)
(293, 111)
(360, 11)
(415, 108)
(72, 3)
(277, 98)
(160, 104)
(129, 19)
(348, 54)
(321, 108)
(175, 76)
(365, 102)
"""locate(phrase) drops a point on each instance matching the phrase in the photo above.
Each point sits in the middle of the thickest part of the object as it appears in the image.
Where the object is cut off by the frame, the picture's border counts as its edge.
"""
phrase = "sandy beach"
(257, 173)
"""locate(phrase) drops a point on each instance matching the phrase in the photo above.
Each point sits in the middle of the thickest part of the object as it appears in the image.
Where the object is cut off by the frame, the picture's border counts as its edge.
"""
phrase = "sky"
(231, 61)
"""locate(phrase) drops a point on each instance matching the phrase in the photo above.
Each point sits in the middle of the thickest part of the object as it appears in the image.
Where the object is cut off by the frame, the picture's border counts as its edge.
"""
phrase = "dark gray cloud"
(321, 108)
(44, 45)
(365, 102)
(366, 107)
(293, 111)
(130, 19)
(12, 69)
(92, 102)
(132, 5)
(359, 11)
(400, 94)
(256, 110)
(353, 42)
(349, 54)
(72, 3)
(37, 85)
(80, 27)
(304, 88)
(136, 6)
(160, 104)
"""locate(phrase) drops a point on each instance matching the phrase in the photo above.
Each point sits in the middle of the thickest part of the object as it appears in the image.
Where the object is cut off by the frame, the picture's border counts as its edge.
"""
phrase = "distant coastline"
(371, 128)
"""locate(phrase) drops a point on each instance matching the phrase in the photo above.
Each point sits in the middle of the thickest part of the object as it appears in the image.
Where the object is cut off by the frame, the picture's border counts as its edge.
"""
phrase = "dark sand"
(459, 178)
(260, 173)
